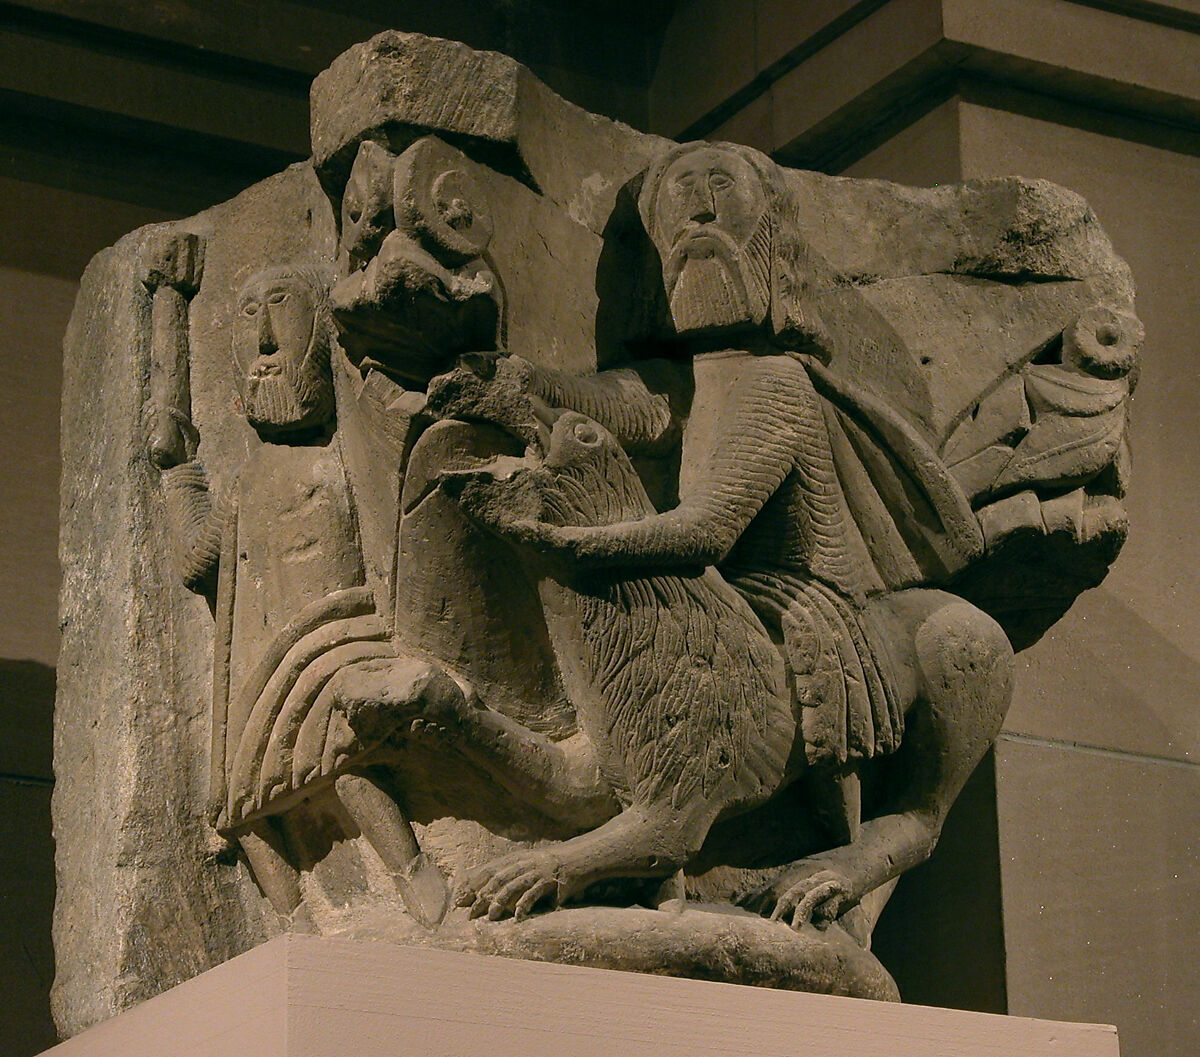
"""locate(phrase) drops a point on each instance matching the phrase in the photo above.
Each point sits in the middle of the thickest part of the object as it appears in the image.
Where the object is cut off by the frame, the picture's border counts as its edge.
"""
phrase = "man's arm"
(773, 425)
(633, 403)
(196, 525)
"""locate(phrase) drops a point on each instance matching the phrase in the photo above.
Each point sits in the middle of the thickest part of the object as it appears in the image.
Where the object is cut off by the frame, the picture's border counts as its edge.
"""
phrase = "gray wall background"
(1066, 884)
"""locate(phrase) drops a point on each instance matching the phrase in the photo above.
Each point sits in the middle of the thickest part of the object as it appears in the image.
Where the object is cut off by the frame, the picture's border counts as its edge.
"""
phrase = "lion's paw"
(511, 885)
(817, 898)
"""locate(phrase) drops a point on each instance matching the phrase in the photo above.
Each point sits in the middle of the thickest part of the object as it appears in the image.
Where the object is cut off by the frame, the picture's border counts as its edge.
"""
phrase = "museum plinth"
(302, 996)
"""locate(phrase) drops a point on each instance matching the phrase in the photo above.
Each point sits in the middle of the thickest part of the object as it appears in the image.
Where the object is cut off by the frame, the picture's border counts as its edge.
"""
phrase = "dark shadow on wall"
(941, 935)
(27, 866)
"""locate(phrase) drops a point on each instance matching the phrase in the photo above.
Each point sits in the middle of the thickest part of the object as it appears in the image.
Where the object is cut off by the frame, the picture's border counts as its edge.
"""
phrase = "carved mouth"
(498, 493)
(507, 470)
(1045, 453)
(702, 244)
(1083, 511)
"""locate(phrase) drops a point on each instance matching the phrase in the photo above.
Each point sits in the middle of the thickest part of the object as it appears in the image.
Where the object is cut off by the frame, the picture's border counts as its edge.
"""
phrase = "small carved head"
(416, 289)
(281, 344)
(367, 209)
(706, 209)
(723, 223)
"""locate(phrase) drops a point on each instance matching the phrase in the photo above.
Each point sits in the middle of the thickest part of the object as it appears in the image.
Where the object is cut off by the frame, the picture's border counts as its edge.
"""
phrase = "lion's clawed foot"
(810, 893)
(818, 899)
(512, 885)
(392, 697)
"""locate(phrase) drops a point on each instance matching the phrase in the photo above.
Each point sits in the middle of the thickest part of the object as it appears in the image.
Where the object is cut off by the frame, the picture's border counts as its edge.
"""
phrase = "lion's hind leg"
(959, 667)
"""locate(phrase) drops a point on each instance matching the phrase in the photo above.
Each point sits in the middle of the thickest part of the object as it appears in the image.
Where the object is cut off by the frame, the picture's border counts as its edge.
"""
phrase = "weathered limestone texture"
(512, 532)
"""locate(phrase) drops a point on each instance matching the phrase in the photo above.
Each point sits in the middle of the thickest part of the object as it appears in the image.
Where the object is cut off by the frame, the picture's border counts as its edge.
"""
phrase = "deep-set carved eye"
(681, 185)
(277, 297)
(720, 181)
(586, 433)
(250, 308)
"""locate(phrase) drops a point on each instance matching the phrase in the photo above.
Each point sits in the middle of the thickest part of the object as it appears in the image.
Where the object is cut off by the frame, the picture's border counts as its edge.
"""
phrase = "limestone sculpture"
(607, 550)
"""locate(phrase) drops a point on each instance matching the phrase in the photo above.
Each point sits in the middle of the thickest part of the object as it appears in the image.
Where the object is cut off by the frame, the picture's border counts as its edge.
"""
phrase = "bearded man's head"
(706, 211)
(723, 223)
(281, 342)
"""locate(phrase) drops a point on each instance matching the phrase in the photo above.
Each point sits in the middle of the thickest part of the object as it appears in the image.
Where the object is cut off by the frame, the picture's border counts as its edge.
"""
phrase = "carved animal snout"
(367, 214)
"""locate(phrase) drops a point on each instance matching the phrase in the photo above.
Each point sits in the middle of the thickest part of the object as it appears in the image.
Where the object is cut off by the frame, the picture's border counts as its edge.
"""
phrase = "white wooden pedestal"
(302, 996)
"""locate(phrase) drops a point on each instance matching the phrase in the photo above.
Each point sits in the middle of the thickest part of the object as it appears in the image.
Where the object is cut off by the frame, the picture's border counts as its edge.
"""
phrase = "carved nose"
(701, 207)
(363, 242)
(267, 344)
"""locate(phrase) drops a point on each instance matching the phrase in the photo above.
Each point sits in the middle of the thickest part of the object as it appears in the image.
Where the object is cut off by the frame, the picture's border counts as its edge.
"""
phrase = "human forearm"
(196, 525)
(621, 400)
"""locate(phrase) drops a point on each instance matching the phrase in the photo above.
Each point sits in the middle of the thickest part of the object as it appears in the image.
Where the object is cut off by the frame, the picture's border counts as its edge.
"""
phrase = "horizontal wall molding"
(876, 64)
(1181, 14)
(94, 152)
(762, 82)
(1013, 737)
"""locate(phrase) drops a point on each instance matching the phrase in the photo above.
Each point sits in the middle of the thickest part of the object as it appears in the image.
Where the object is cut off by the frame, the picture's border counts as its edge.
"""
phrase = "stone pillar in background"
(601, 549)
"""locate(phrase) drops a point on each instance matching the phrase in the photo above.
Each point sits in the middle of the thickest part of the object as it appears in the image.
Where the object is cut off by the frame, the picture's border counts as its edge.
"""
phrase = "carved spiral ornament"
(442, 203)
(1104, 342)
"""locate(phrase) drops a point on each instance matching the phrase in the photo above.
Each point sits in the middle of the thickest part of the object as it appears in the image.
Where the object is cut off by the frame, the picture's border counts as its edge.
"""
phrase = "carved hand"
(170, 447)
(564, 540)
(197, 523)
(493, 388)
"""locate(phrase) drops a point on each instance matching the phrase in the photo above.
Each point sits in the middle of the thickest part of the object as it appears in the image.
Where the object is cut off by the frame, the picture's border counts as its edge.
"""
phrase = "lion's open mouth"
(501, 469)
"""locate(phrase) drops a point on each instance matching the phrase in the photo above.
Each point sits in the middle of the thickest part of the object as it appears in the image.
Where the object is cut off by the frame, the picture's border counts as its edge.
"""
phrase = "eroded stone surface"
(570, 517)
(701, 941)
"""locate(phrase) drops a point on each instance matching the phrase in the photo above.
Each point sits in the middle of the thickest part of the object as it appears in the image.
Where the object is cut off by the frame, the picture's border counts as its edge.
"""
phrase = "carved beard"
(727, 288)
(298, 396)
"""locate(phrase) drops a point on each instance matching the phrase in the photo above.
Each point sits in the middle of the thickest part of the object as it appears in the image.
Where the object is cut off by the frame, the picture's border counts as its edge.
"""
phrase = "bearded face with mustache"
(709, 220)
(282, 352)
